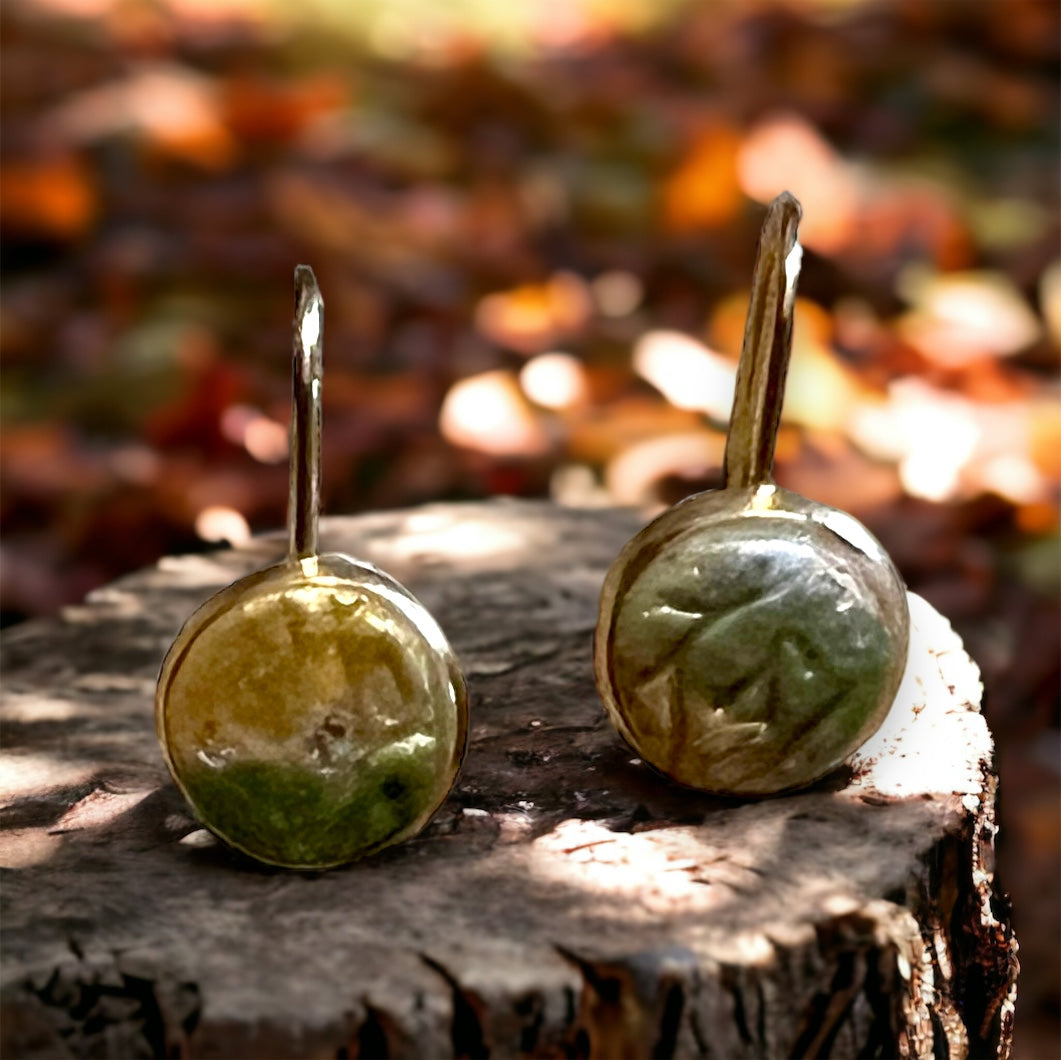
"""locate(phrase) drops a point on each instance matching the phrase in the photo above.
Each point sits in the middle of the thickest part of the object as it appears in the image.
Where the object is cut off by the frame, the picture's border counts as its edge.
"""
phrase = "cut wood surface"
(565, 901)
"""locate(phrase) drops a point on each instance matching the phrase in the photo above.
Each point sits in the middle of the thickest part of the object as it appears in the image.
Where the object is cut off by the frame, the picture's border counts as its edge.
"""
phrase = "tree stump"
(566, 900)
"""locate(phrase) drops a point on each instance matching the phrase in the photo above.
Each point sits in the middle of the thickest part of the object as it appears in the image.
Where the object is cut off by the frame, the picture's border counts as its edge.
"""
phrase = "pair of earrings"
(748, 640)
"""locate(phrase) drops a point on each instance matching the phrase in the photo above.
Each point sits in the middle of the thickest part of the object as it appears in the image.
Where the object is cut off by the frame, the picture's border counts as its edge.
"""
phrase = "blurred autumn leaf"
(534, 229)
(528, 225)
(47, 197)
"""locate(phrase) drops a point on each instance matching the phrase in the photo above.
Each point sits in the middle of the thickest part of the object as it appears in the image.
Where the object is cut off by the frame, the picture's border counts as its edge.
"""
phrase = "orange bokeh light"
(785, 152)
(488, 412)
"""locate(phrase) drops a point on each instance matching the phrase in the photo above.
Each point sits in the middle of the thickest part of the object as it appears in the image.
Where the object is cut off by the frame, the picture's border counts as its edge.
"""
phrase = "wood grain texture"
(565, 901)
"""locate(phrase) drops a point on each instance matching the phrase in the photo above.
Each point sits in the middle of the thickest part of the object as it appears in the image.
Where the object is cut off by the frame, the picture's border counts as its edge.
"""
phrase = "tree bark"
(566, 900)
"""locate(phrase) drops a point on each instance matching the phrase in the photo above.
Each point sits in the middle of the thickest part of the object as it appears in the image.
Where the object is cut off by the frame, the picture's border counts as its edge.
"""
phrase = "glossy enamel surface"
(749, 640)
(312, 713)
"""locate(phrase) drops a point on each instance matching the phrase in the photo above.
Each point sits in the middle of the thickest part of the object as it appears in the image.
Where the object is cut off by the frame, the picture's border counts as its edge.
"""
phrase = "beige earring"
(313, 712)
(750, 639)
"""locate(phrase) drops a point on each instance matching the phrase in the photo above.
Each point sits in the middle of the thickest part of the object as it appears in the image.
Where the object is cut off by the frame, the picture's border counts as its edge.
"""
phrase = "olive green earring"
(750, 639)
(313, 712)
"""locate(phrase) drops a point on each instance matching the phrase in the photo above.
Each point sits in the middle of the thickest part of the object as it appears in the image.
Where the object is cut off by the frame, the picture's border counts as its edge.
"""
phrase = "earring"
(313, 712)
(750, 639)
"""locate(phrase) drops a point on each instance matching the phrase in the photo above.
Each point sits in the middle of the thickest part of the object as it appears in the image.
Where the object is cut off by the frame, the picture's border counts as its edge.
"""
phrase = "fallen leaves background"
(534, 227)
